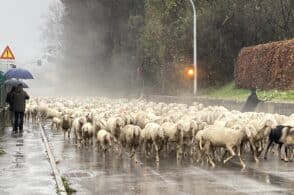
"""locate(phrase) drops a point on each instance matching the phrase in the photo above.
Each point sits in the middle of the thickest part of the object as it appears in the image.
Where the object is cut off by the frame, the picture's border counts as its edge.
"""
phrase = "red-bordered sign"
(7, 54)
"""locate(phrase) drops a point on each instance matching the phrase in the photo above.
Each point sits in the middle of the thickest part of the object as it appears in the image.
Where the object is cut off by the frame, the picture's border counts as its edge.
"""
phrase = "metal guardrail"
(268, 107)
(2, 96)
(2, 117)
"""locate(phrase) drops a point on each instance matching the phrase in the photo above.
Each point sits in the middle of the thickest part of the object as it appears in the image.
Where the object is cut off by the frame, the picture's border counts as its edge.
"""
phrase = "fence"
(2, 90)
(2, 96)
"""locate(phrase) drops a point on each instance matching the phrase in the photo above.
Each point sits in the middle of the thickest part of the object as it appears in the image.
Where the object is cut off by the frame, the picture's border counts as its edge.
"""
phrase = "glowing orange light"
(190, 72)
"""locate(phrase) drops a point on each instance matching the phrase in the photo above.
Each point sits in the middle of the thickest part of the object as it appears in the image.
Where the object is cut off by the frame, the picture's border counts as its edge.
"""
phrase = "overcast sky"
(21, 22)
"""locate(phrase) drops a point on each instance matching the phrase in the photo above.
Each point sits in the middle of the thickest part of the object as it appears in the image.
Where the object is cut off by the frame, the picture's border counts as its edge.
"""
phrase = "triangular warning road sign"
(7, 54)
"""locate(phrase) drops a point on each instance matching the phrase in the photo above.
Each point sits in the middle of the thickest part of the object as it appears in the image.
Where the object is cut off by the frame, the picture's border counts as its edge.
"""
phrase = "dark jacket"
(251, 103)
(9, 100)
(19, 97)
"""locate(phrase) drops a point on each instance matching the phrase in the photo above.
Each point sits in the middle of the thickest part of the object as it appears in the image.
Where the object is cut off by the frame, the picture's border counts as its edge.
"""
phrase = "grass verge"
(230, 91)
(67, 187)
(2, 151)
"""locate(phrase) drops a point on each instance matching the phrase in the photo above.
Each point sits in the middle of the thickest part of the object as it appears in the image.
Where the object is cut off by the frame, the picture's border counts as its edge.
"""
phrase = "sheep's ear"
(204, 124)
(193, 125)
(248, 132)
(291, 131)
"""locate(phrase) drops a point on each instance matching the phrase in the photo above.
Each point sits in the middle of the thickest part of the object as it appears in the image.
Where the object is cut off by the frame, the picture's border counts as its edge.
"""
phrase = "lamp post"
(195, 47)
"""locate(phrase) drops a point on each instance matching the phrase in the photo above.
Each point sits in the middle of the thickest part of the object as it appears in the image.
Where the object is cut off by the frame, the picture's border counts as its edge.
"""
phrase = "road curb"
(60, 187)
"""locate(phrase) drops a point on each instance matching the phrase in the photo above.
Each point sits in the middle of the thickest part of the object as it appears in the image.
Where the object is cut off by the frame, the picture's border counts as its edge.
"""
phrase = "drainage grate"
(78, 174)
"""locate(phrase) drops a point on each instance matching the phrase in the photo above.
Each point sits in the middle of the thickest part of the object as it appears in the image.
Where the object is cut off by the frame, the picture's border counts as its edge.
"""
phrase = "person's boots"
(20, 132)
(13, 133)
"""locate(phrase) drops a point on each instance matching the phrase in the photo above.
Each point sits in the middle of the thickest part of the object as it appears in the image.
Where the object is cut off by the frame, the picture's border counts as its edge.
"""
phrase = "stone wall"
(269, 107)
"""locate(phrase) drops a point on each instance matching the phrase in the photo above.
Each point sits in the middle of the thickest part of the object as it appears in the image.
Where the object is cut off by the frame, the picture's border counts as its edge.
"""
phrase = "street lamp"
(195, 47)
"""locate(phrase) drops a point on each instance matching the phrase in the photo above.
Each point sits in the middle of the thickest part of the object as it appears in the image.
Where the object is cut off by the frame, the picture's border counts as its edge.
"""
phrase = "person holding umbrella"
(18, 99)
(19, 96)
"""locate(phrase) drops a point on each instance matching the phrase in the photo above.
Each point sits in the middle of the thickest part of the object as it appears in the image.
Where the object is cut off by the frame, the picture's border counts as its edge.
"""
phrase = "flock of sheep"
(205, 134)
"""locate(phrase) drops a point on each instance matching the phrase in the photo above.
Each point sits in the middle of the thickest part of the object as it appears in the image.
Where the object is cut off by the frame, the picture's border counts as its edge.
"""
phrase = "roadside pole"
(195, 46)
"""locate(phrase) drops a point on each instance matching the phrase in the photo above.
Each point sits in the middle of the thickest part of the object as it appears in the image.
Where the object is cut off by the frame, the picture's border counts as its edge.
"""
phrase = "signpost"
(7, 57)
(7, 54)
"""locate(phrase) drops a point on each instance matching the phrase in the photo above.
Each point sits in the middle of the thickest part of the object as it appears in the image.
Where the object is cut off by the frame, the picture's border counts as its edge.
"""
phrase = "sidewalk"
(25, 169)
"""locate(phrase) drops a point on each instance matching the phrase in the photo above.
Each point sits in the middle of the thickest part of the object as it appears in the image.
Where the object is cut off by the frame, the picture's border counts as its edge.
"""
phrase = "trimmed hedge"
(266, 66)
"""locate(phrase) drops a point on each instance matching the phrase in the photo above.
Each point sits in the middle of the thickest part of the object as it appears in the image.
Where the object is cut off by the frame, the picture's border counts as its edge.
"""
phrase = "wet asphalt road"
(24, 169)
(90, 173)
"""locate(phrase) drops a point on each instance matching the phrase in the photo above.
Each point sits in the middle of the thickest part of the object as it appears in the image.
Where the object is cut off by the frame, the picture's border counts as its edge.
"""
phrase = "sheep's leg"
(146, 151)
(184, 150)
(75, 134)
(286, 154)
(267, 148)
(279, 151)
(133, 151)
(260, 148)
(272, 149)
(91, 141)
(207, 147)
(168, 148)
(104, 151)
(179, 151)
(120, 150)
(225, 155)
(253, 150)
(201, 156)
(96, 146)
(149, 150)
(198, 153)
(240, 157)
(218, 157)
(191, 149)
(157, 152)
(292, 155)
(230, 149)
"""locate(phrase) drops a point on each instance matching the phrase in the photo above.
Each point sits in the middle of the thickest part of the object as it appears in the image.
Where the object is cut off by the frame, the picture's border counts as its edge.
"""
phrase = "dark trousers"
(11, 117)
(18, 121)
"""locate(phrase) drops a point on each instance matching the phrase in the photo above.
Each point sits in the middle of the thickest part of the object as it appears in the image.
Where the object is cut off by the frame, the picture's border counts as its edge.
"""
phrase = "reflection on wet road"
(90, 173)
(24, 169)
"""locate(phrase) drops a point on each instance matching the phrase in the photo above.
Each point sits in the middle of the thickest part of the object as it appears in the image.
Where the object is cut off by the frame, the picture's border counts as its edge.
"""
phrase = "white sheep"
(66, 124)
(215, 136)
(172, 134)
(104, 141)
(153, 134)
(56, 122)
(130, 137)
(87, 133)
(114, 126)
(77, 128)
